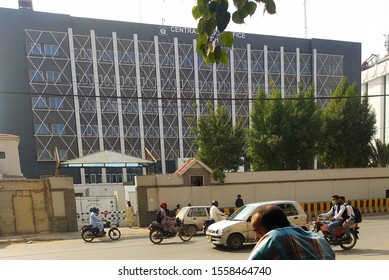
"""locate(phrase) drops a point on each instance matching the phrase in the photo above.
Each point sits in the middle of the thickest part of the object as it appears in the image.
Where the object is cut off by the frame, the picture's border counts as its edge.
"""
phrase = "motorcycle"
(207, 223)
(322, 225)
(88, 233)
(157, 232)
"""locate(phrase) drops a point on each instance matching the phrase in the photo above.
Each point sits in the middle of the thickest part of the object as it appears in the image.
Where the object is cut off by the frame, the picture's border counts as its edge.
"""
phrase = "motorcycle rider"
(95, 221)
(214, 213)
(167, 222)
(350, 218)
(336, 211)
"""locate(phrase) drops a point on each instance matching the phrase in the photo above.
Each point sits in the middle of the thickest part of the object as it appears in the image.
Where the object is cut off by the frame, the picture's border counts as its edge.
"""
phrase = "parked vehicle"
(236, 230)
(194, 217)
(157, 233)
(322, 225)
(88, 233)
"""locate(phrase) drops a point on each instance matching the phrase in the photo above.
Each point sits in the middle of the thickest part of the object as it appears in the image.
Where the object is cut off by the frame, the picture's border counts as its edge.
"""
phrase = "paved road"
(372, 245)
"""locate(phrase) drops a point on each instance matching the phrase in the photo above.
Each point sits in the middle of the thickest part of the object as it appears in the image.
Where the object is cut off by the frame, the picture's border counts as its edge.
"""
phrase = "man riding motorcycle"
(215, 213)
(350, 218)
(167, 222)
(338, 216)
(95, 221)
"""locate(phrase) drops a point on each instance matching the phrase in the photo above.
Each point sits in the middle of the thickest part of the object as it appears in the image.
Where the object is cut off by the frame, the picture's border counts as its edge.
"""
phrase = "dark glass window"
(196, 181)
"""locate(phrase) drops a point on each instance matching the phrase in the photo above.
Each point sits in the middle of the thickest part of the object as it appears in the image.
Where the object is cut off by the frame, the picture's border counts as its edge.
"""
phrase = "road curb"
(56, 236)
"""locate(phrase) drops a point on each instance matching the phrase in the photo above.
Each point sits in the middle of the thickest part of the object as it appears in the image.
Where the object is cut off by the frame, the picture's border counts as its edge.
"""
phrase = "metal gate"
(107, 206)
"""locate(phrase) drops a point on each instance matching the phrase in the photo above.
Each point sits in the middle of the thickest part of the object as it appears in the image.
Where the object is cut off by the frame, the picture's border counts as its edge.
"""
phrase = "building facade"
(73, 86)
(375, 85)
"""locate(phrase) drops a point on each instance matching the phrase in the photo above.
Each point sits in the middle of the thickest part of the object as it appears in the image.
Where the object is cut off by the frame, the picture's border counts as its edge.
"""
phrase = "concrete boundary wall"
(33, 206)
(367, 188)
(313, 209)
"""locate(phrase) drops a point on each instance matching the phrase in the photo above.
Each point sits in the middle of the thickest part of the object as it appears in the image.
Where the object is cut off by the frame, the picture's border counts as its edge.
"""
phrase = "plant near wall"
(283, 133)
(379, 156)
(220, 144)
(348, 127)
(213, 19)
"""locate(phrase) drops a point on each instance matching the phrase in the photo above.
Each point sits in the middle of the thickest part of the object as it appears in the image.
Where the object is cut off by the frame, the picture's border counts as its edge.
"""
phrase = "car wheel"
(235, 241)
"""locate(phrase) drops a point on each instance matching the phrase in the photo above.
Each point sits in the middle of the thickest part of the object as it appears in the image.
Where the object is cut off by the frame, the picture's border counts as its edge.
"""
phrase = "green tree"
(379, 154)
(265, 138)
(348, 127)
(220, 145)
(213, 18)
(283, 134)
(301, 130)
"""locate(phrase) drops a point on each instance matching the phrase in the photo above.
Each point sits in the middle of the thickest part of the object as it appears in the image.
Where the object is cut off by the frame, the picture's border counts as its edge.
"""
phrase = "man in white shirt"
(337, 219)
(215, 213)
(350, 218)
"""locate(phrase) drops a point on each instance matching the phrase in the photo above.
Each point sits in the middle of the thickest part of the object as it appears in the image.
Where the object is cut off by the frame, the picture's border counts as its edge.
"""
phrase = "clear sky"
(347, 20)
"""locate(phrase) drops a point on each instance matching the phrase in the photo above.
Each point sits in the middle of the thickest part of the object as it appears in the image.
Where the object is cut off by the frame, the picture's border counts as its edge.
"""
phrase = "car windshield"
(242, 214)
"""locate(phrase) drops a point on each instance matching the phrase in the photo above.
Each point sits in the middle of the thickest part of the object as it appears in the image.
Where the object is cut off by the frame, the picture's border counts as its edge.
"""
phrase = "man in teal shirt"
(278, 239)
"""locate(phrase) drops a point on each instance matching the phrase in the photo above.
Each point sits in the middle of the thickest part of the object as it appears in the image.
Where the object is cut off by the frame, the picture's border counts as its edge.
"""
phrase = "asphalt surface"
(52, 236)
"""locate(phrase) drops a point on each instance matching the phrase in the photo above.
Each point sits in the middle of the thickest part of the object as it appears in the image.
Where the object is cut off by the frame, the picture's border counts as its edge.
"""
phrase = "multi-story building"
(80, 85)
(375, 85)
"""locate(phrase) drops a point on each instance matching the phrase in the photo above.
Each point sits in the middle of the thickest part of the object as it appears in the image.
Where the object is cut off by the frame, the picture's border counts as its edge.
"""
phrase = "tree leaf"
(222, 7)
(250, 7)
(243, 13)
(212, 6)
(196, 13)
(237, 18)
(211, 58)
(218, 54)
(210, 26)
(224, 58)
(223, 20)
(227, 38)
(239, 4)
(270, 6)
(201, 26)
(202, 6)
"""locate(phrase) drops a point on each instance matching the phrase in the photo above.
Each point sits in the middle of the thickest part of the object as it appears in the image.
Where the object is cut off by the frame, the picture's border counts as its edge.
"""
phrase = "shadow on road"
(362, 252)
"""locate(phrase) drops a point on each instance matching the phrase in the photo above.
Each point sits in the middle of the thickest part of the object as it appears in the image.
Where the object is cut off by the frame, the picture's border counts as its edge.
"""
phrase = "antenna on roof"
(387, 43)
(305, 19)
(140, 10)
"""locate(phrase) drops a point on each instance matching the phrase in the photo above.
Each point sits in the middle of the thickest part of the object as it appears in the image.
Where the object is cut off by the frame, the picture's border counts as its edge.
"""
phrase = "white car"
(237, 230)
(194, 217)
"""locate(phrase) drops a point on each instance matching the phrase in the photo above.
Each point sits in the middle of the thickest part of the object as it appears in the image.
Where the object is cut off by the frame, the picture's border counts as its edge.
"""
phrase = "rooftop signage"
(165, 30)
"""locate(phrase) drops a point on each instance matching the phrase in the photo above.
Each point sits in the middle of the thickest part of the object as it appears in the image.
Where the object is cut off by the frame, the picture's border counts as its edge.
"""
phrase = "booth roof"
(106, 159)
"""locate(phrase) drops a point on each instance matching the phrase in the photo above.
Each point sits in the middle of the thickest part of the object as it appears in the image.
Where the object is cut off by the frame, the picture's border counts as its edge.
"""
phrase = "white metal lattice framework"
(93, 93)
(52, 101)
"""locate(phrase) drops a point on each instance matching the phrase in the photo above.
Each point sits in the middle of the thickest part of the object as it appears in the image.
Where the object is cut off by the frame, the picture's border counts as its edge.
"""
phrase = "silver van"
(237, 230)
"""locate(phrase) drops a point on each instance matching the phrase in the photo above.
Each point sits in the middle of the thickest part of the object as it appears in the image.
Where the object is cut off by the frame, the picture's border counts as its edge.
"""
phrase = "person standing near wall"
(177, 209)
(129, 214)
(239, 201)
